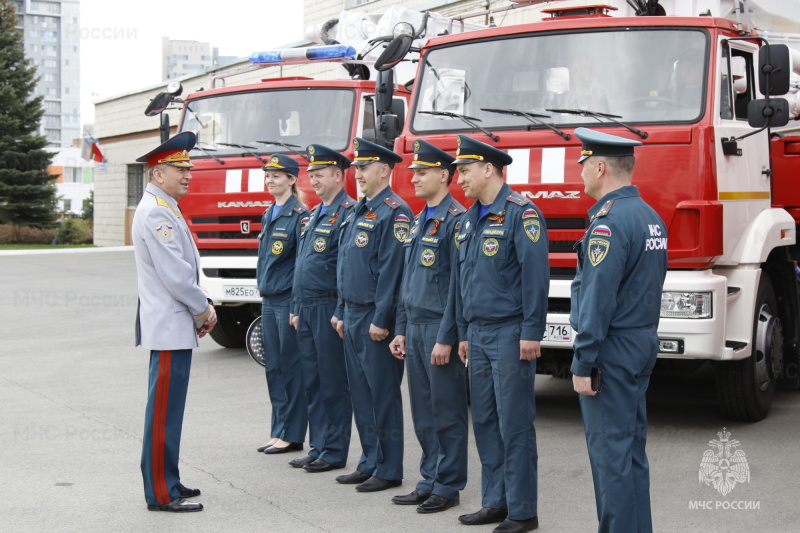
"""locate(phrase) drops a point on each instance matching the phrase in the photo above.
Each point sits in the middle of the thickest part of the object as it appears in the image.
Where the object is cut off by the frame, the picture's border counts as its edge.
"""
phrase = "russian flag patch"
(602, 230)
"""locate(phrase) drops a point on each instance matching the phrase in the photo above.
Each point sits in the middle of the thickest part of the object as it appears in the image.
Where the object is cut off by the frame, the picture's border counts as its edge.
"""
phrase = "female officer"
(280, 228)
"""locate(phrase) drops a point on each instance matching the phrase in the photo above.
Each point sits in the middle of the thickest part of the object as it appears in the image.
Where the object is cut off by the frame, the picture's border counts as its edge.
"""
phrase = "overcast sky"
(121, 41)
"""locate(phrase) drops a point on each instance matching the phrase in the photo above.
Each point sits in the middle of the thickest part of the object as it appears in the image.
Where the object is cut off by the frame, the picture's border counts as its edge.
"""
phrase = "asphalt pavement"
(73, 390)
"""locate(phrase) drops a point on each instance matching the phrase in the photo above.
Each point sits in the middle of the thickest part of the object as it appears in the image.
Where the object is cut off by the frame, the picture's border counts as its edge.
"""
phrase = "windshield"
(648, 75)
(294, 117)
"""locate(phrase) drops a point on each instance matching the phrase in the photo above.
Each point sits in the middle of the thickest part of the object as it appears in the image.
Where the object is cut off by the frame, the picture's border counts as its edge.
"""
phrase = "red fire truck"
(700, 93)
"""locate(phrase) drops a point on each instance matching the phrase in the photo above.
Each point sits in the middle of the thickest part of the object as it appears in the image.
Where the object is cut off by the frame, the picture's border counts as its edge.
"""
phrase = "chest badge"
(362, 239)
(320, 244)
(428, 258)
(277, 247)
(490, 247)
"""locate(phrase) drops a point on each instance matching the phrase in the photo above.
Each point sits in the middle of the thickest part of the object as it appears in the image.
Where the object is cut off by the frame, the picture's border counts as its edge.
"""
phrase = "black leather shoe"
(487, 515)
(415, 498)
(292, 447)
(353, 479)
(436, 504)
(319, 466)
(177, 506)
(186, 492)
(262, 449)
(375, 484)
(301, 462)
(517, 526)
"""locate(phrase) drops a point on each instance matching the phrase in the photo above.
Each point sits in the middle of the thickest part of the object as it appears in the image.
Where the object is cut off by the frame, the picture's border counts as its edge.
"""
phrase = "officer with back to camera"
(616, 305)
(369, 271)
(315, 297)
(436, 381)
(502, 280)
(173, 312)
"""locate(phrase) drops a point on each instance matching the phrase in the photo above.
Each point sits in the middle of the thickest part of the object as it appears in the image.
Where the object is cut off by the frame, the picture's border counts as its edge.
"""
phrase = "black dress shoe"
(262, 449)
(375, 484)
(186, 492)
(487, 515)
(436, 504)
(415, 498)
(292, 447)
(319, 466)
(517, 526)
(353, 479)
(301, 462)
(177, 506)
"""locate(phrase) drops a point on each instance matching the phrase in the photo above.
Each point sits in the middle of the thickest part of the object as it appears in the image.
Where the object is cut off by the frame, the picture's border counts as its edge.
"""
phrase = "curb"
(68, 250)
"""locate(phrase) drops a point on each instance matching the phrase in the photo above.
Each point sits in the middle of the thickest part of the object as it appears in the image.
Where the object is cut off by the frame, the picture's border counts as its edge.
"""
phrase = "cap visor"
(180, 164)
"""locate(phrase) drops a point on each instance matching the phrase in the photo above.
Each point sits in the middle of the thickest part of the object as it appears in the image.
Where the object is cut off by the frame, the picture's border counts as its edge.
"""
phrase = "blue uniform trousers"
(615, 422)
(330, 411)
(284, 371)
(161, 443)
(374, 375)
(503, 411)
(439, 410)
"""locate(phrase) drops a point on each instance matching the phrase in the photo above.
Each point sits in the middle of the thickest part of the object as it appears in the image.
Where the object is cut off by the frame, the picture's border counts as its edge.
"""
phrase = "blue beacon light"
(299, 55)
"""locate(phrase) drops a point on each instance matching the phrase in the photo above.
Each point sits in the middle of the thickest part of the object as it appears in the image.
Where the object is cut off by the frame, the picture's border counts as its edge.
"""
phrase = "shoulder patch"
(164, 230)
(392, 202)
(517, 199)
(456, 209)
(602, 230)
(598, 249)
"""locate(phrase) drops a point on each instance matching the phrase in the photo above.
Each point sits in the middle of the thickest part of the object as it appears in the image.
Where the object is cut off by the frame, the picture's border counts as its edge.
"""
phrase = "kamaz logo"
(249, 203)
(552, 194)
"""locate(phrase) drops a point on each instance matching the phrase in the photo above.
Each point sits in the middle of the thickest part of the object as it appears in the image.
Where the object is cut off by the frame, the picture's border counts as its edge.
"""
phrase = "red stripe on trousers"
(159, 426)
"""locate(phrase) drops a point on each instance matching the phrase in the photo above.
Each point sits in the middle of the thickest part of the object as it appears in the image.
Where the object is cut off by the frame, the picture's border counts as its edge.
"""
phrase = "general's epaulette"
(605, 209)
(392, 202)
(517, 199)
(299, 208)
(456, 209)
(347, 203)
(163, 203)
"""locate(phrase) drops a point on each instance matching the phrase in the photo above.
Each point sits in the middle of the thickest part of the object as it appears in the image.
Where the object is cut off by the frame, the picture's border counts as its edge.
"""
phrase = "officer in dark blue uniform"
(436, 381)
(502, 281)
(281, 226)
(369, 271)
(616, 299)
(314, 296)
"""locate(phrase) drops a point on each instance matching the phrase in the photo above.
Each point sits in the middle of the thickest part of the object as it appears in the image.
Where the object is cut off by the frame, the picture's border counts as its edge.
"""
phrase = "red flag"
(97, 154)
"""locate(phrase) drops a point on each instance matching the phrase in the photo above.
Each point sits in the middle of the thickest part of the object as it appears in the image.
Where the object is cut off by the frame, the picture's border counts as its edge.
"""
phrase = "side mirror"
(388, 130)
(394, 53)
(163, 129)
(774, 69)
(772, 113)
(158, 104)
(384, 89)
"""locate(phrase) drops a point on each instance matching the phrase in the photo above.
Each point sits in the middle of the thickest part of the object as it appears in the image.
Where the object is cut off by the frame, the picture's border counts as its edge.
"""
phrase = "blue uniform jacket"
(430, 252)
(503, 274)
(317, 252)
(622, 262)
(277, 247)
(371, 255)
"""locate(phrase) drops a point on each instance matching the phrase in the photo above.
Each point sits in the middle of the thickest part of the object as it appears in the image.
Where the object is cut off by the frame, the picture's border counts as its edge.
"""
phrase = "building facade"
(51, 33)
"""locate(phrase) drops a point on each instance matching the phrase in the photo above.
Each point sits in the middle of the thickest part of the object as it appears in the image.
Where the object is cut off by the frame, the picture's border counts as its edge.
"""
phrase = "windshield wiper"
(469, 121)
(217, 159)
(599, 117)
(532, 117)
(248, 149)
(289, 147)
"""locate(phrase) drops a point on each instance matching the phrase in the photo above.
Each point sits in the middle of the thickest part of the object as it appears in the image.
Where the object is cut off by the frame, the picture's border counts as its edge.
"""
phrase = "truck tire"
(231, 328)
(745, 388)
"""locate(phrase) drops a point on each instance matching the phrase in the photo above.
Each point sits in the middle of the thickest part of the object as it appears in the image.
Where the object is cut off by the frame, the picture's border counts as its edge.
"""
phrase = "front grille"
(567, 223)
(558, 305)
(230, 273)
(225, 235)
(562, 272)
(225, 220)
(228, 252)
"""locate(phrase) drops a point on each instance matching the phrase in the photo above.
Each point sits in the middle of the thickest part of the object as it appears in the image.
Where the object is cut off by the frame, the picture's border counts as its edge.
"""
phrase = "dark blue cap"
(367, 152)
(599, 143)
(284, 163)
(173, 152)
(472, 151)
(427, 155)
(320, 156)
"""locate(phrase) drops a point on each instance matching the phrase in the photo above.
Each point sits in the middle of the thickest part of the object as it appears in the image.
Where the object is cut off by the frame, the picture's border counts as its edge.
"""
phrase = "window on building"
(53, 135)
(136, 177)
(73, 175)
(67, 205)
(349, 4)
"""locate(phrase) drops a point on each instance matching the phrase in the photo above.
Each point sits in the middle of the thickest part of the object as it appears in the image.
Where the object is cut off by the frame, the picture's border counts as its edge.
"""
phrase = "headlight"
(685, 305)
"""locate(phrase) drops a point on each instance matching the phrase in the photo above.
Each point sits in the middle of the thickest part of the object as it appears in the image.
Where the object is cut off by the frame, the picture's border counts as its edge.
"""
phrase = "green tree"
(27, 192)
(88, 208)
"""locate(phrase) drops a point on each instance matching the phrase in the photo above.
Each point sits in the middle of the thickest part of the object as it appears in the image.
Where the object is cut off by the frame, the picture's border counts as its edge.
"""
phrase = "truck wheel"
(231, 328)
(746, 388)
